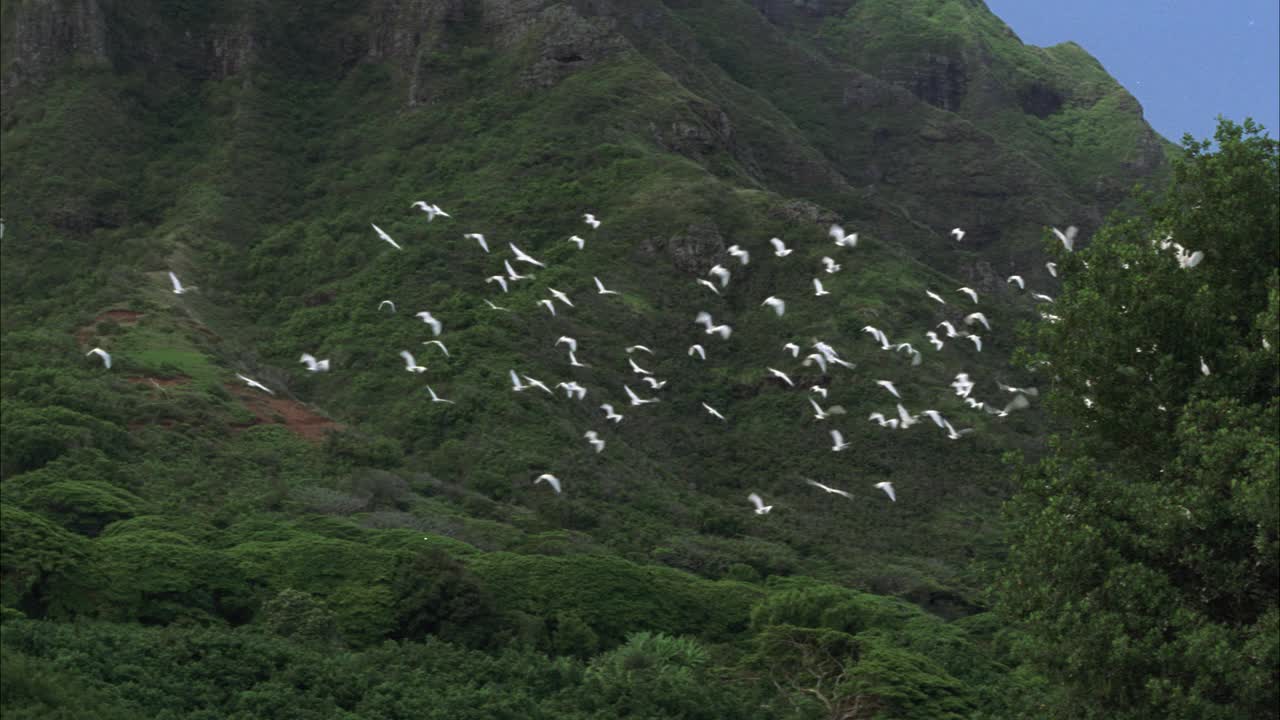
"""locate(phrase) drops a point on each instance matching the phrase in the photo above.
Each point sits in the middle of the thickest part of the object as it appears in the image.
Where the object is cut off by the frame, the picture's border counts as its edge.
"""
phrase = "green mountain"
(249, 146)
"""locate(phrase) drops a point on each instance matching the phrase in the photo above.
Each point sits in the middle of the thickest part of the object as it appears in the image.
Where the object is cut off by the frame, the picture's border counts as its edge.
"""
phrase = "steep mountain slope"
(249, 146)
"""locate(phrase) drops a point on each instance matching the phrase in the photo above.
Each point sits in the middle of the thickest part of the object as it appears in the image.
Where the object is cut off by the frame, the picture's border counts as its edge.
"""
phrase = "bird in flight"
(521, 256)
(550, 306)
(609, 413)
(697, 350)
(1022, 285)
(501, 280)
(1068, 238)
(428, 318)
(970, 292)
(478, 238)
(1052, 267)
(712, 411)
(977, 317)
(887, 487)
(386, 237)
(793, 348)
(837, 233)
(178, 289)
(600, 288)
(830, 265)
(633, 348)
(782, 376)
(439, 344)
(387, 302)
(818, 290)
(828, 488)
(976, 340)
(778, 304)
(534, 383)
(549, 479)
(495, 307)
(889, 386)
(636, 400)
(578, 241)
(512, 275)
(410, 364)
(709, 285)
(572, 389)
(820, 414)
(637, 369)
(437, 398)
(655, 383)
(957, 233)
(591, 220)
(593, 439)
(722, 273)
(560, 296)
(837, 441)
(314, 365)
(935, 296)
(432, 211)
(566, 340)
(779, 248)
(761, 508)
(704, 318)
(743, 256)
(106, 356)
(255, 384)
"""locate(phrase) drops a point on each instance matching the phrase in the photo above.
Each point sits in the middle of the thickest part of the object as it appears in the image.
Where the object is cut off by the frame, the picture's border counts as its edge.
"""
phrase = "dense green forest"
(1089, 529)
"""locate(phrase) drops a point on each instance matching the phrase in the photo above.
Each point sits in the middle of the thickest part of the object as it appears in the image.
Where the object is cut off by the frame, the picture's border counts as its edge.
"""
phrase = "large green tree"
(1144, 560)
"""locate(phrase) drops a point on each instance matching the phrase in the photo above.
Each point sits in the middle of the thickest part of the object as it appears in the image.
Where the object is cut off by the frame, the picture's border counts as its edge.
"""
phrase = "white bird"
(1016, 279)
(655, 383)
(478, 238)
(1019, 402)
(313, 364)
(970, 292)
(1033, 392)
(255, 384)
(550, 306)
(951, 329)
(387, 302)
(551, 480)
(636, 399)
(977, 318)
(936, 417)
(1186, 262)
(818, 290)
(837, 442)
(437, 398)
(512, 275)
(431, 210)
(495, 307)
(538, 384)
(819, 390)
(890, 423)
(956, 434)
(781, 375)
(820, 414)
(887, 487)
(761, 508)
(743, 256)
(573, 361)
(830, 265)
(793, 348)
(879, 336)
(428, 318)
(704, 318)
(842, 240)
(963, 385)
(609, 414)
(713, 412)
(410, 364)
(178, 289)
(566, 340)
(591, 220)
(1068, 238)
(818, 358)
(501, 280)
(106, 357)
(1052, 267)
(709, 285)
(957, 233)
(521, 256)
(633, 348)
(571, 389)
(977, 341)
(578, 241)
(935, 296)
(386, 237)
(779, 248)
(778, 304)
(560, 296)
(1204, 366)
(933, 338)
(906, 419)
(722, 273)
(637, 369)
(439, 344)
(516, 384)
(593, 439)
(600, 288)
(1041, 297)
(828, 488)
(697, 350)
(887, 385)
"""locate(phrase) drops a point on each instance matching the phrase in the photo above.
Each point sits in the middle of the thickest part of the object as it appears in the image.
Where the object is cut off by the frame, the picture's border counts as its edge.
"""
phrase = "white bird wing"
(106, 357)
(177, 286)
(817, 287)
(778, 304)
(887, 487)
(522, 256)
(778, 245)
(382, 234)
(757, 501)
(837, 439)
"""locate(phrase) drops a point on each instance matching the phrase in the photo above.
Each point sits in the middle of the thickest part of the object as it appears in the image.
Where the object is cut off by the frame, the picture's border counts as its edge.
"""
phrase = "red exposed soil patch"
(120, 317)
(270, 410)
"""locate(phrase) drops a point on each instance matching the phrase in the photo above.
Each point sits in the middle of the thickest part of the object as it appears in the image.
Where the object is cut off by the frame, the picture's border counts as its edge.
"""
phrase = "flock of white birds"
(824, 355)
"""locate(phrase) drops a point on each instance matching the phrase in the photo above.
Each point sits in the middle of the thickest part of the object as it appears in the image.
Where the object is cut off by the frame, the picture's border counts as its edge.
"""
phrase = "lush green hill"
(249, 147)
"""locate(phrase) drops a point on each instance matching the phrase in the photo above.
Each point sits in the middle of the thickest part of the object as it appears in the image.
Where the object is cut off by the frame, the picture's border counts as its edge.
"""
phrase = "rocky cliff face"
(42, 34)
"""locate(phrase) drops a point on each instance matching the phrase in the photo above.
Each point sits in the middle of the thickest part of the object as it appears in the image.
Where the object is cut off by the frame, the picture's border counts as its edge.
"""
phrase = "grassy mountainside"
(249, 147)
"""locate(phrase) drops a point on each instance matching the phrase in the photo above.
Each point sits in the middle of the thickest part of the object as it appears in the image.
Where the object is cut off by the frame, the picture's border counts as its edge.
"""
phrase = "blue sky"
(1187, 61)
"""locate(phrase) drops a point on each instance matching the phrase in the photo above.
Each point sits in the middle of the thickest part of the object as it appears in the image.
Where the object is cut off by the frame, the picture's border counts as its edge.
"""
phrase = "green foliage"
(36, 555)
(84, 507)
(437, 595)
(1145, 556)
